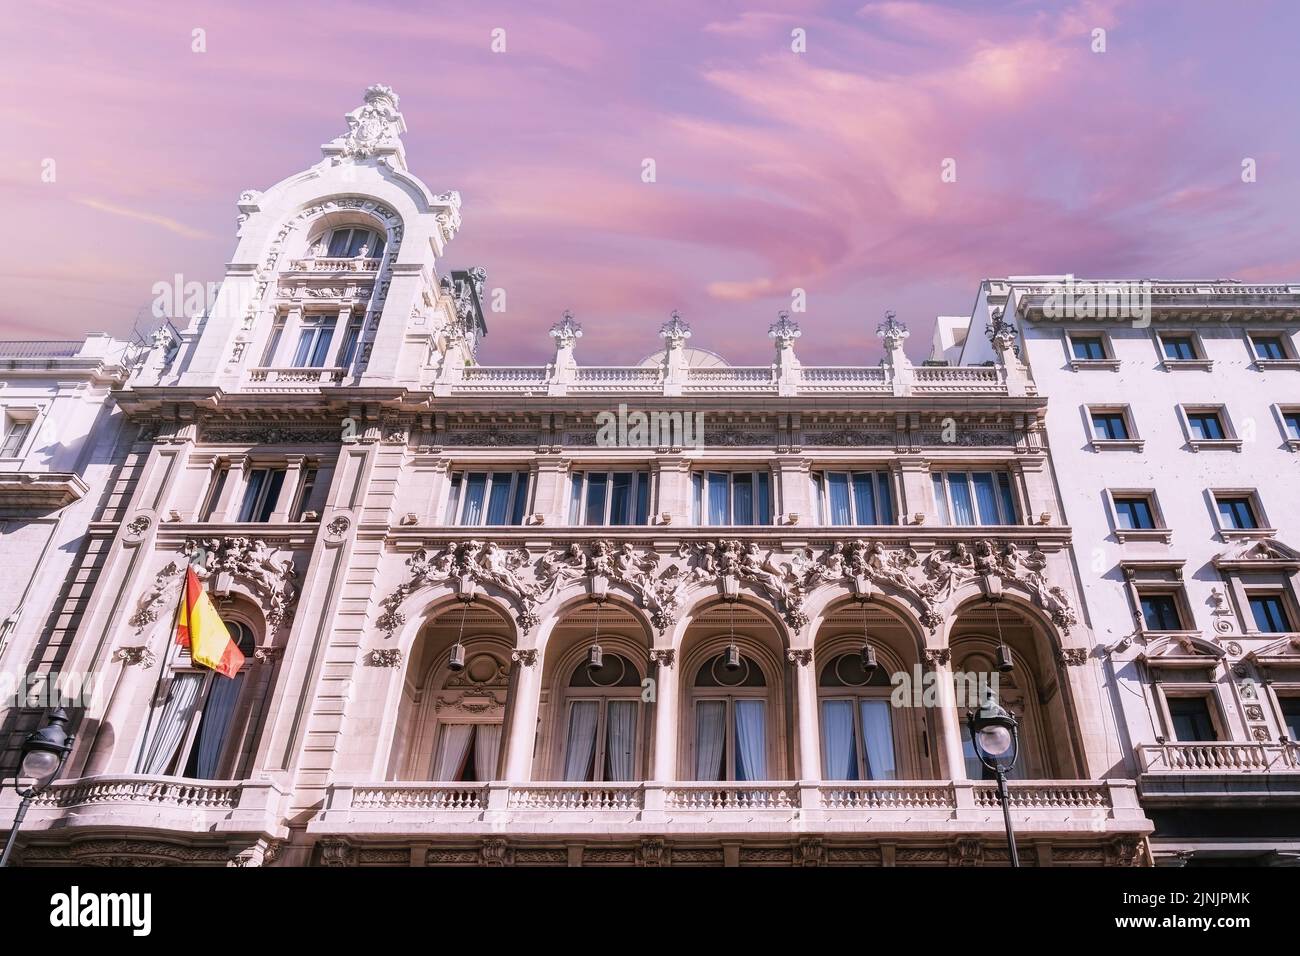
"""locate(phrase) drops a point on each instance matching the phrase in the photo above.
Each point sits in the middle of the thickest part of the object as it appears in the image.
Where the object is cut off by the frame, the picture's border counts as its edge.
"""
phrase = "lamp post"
(43, 754)
(993, 735)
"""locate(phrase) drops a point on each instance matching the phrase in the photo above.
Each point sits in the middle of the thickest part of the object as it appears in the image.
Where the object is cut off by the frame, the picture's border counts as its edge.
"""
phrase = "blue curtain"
(985, 497)
(499, 497)
(764, 499)
(475, 487)
(642, 497)
(718, 498)
(742, 498)
(322, 350)
(884, 499)
(878, 738)
(620, 498)
(214, 727)
(839, 751)
(1008, 499)
(521, 499)
(837, 493)
(864, 498)
(751, 740)
(962, 506)
(575, 499)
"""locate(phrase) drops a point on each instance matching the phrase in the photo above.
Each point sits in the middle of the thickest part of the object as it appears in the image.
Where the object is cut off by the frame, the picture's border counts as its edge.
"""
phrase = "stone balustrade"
(1263, 757)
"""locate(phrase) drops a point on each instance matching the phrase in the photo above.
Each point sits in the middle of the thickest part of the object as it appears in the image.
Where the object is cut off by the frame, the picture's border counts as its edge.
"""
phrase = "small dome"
(695, 358)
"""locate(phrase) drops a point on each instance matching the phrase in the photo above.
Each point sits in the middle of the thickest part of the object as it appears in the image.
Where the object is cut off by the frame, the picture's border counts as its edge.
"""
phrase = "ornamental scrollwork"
(486, 564)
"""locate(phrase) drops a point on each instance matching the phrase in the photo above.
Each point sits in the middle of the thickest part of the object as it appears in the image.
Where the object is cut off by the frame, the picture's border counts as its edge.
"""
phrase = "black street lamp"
(42, 758)
(993, 735)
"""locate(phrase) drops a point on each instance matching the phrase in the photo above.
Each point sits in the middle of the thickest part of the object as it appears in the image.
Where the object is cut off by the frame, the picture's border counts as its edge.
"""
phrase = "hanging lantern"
(869, 662)
(596, 656)
(731, 661)
(457, 661)
(1005, 664)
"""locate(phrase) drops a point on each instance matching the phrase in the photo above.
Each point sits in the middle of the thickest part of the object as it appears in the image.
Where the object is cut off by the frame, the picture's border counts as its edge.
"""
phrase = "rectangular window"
(1290, 707)
(14, 438)
(1269, 613)
(1191, 719)
(609, 498)
(854, 498)
(261, 492)
(273, 343)
(1134, 514)
(1088, 348)
(487, 498)
(1236, 512)
(213, 498)
(306, 487)
(351, 339)
(314, 341)
(1109, 426)
(1179, 347)
(1291, 423)
(1160, 613)
(732, 498)
(1205, 426)
(1269, 347)
(974, 498)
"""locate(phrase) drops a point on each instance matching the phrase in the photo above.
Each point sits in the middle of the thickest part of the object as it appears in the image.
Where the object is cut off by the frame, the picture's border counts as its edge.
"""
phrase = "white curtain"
(173, 722)
(878, 736)
(453, 747)
(581, 745)
(487, 743)
(620, 741)
(751, 740)
(710, 738)
(839, 756)
(214, 728)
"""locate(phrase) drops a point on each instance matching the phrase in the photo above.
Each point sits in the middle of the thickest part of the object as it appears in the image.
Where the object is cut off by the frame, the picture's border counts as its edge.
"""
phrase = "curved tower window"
(346, 242)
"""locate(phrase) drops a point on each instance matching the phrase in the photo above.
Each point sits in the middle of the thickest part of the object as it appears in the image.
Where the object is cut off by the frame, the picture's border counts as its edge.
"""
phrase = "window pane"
(1179, 348)
(1191, 719)
(339, 243)
(597, 487)
(839, 746)
(985, 497)
(864, 498)
(764, 499)
(717, 498)
(962, 507)
(575, 499)
(1008, 499)
(475, 489)
(1133, 513)
(642, 497)
(499, 497)
(214, 728)
(453, 501)
(580, 747)
(940, 499)
(350, 346)
(710, 739)
(620, 502)
(1205, 426)
(214, 497)
(1270, 615)
(1291, 716)
(275, 482)
(305, 340)
(1269, 348)
(252, 494)
(1292, 421)
(742, 498)
(818, 492)
(620, 740)
(1236, 513)
(878, 740)
(1160, 613)
(322, 350)
(1088, 348)
(360, 238)
(837, 494)
(521, 498)
(884, 500)
(751, 740)
(697, 498)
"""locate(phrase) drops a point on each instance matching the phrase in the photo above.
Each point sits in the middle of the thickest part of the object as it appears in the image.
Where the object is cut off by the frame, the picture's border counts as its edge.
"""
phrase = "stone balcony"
(904, 809)
(1237, 774)
(334, 264)
(153, 804)
(292, 379)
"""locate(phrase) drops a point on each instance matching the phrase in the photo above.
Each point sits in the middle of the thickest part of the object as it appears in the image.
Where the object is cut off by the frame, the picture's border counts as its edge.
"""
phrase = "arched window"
(346, 242)
(199, 725)
(857, 726)
(470, 707)
(604, 721)
(976, 678)
(730, 707)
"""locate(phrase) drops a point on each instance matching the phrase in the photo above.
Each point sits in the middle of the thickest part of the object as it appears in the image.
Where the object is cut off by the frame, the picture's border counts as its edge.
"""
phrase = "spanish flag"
(200, 628)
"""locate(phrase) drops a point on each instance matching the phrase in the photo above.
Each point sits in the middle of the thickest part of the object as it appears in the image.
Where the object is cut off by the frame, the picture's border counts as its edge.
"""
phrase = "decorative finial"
(373, 129)
(892, 332)
(566, 331)
(1002, 334)
(783, 330)
(675, 331)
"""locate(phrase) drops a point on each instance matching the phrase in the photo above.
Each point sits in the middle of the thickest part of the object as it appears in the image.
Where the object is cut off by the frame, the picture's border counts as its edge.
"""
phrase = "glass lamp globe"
(41, 766)
(995, 740)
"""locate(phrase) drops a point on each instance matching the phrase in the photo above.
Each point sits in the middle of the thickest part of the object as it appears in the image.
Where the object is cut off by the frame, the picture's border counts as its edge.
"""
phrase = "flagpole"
(166, 662)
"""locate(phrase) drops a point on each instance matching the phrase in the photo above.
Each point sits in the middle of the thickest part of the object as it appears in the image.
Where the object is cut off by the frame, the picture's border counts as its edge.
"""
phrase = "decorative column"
(672, 502)
(674, 332)
(522, 733)
(893, 334)
(952, 763)
(805, 681)
(232, 492)
(783, 332)
(666, 716)
(564, 369)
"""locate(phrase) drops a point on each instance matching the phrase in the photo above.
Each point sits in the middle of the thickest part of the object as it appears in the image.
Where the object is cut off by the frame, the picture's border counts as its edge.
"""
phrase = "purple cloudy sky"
(776, 170)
